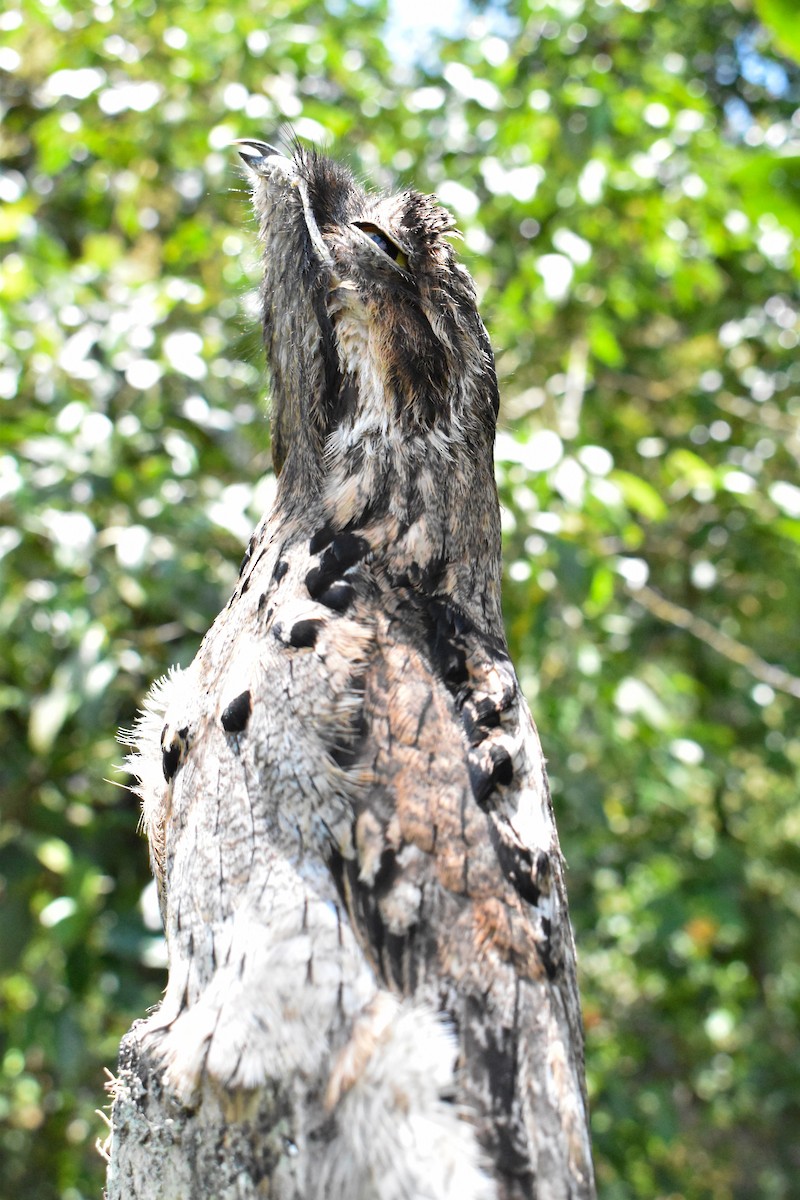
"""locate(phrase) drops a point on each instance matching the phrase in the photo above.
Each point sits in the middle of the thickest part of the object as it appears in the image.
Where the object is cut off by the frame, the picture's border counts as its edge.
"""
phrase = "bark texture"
(372, 990)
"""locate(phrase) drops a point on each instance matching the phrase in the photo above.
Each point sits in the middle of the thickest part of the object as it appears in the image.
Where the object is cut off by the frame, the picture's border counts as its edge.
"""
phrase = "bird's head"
(384, 395)
(368, 316)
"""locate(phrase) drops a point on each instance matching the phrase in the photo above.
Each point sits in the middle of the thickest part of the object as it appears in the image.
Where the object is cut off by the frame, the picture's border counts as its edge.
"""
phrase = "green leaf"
(639, 495)
(601, 591)
(604, 344)
(691, 469)
(48, 714)
(781, 16)
(769, 185)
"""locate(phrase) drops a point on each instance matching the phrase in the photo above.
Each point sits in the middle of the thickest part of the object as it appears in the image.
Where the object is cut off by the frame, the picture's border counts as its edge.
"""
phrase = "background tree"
(626, 176)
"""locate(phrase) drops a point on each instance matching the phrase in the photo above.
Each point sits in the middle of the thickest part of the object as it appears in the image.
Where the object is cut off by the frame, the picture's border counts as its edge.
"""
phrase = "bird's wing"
(453, 879)
(347, 797)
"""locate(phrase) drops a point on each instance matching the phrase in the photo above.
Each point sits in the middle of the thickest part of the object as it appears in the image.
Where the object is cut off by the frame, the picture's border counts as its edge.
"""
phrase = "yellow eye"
(381, 240)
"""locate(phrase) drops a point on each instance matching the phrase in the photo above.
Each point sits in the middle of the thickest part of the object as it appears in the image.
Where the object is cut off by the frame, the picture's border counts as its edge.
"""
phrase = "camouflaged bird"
(372, 988)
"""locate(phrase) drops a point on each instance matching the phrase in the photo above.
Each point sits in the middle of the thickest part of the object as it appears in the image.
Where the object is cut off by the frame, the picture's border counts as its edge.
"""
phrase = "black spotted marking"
(235, 717)
(316, 582)
(344, 551)
(546, 949)
(322, 538)
(304, 634)
(480, 779)
(280, 569)
(503, 766)
(347, 549)
(247, 554)
(387, 872)
(172, 755)
(338, 596)
(262, 600)
(487, 711)
(488, 770)
(542, 872)
(478, 726)
(170, 759)
(516, 863)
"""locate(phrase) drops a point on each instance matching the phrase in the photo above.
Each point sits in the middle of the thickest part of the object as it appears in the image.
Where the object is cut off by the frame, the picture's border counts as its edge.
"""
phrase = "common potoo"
(372, 986)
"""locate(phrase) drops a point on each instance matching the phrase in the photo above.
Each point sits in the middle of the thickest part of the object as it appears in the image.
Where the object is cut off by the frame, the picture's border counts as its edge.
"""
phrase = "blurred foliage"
(626, 175)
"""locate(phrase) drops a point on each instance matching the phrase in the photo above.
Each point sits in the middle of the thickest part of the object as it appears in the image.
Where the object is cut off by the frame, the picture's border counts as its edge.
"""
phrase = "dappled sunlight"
(625, 177)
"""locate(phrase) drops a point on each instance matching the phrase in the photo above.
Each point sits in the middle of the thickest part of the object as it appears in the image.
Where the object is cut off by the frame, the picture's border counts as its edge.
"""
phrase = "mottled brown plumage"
(370, 954)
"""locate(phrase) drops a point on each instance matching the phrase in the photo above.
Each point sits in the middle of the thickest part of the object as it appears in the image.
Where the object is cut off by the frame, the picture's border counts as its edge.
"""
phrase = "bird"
(372, 986)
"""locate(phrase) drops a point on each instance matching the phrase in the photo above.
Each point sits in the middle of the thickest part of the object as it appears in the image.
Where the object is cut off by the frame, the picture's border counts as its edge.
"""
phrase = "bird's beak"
(253, 153)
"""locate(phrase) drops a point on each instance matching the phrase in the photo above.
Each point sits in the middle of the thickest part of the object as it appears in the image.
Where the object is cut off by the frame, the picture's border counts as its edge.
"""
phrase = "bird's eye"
(382, 241)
